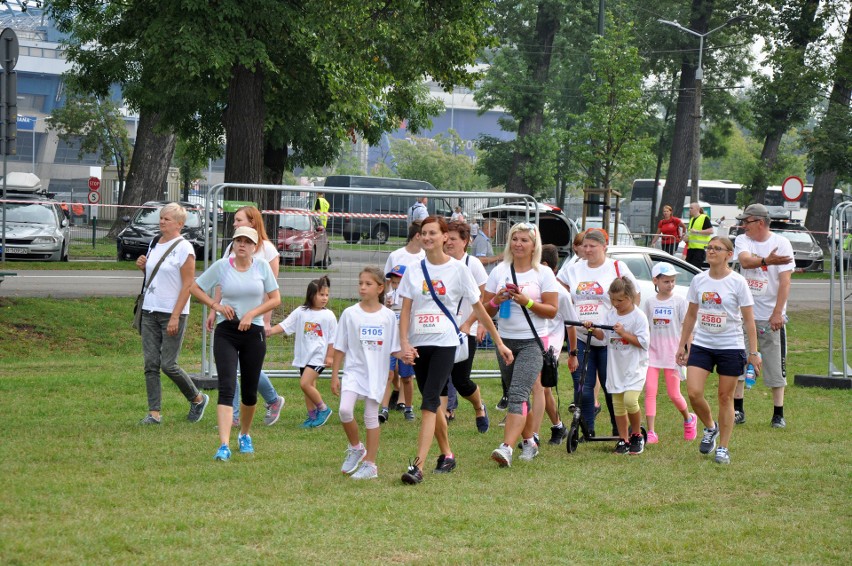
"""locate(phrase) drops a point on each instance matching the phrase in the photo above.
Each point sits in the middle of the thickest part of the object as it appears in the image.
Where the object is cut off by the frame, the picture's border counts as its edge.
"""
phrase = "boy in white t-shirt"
(398, 369)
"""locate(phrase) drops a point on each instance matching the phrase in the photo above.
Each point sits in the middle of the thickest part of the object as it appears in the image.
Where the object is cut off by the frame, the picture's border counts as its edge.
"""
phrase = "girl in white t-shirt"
(665, 313)
(367, 336)
(627, 362)
(720, 306)
(314, 326)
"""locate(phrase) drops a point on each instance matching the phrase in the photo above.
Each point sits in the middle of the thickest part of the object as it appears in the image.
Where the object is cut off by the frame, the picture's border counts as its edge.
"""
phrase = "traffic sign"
(9, 49)
(94, 197)
(792, 188)
(94, 183)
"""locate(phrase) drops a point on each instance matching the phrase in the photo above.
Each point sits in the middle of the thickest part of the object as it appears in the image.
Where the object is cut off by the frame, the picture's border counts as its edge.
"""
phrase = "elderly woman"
(527, 286)
(164, 313)
(670, 229)
(249, 290)
(588, 281)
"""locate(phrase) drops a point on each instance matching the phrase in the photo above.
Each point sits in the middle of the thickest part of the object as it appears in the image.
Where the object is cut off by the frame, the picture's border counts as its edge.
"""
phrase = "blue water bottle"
(749, 375)
(505, 308)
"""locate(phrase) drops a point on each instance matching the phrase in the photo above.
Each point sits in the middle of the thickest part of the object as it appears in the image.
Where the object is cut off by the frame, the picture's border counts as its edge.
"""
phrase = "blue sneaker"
(246, 446)
(322, 417)
(309, 420)
(223, 454)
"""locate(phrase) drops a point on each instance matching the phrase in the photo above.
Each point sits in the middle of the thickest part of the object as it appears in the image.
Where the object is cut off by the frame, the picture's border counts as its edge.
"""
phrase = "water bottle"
(505, 308)
(749, 375)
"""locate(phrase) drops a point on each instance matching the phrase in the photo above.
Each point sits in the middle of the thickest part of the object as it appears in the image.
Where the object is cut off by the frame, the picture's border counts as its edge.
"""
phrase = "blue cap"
(397, 270)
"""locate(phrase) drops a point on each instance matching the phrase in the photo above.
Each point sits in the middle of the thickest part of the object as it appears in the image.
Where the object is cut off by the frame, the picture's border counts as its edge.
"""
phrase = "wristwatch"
(763, 262)
(574, 352)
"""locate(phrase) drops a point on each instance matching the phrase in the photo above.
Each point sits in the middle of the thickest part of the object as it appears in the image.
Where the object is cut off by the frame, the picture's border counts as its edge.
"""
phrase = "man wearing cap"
(698, 234)
(766, 261)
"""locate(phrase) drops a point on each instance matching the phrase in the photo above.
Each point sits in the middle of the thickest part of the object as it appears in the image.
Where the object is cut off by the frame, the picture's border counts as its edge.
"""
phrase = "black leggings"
(461, 372)
(231, 345)
(432, 369)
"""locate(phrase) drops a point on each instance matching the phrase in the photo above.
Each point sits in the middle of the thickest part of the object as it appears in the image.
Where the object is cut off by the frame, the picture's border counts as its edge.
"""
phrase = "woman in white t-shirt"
(720, 306)
(250, 216)
(164, 313)
(428, 337)
(588, 281)
(525, 285)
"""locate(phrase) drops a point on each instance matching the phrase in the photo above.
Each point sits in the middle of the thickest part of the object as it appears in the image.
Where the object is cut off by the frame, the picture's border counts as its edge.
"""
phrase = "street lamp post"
(699, 79)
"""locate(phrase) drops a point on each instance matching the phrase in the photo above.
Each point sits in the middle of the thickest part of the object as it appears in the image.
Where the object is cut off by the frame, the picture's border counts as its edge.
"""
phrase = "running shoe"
(722, 456)
(413, 475)
(503, 404)
(409, 414)
(308, 422)
(637, 444)
(622, 448)
(196, 410)
(273, 411)
(503, 456)
(778, 421)
(353, 458)
(529, 450)
(150, 420)
(445, 465)
(322, 417)
(367, 471)
(223, 454)
(690, 427)
(652, 437)
(246, 446)
(708, 441)
(739, 417)
(557, 434)
(482, 422)
(383, 415)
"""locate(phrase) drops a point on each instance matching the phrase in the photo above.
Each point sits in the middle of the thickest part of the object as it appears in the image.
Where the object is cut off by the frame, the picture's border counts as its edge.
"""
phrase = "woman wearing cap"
(670, 229)
(527, 285)
(588, 281)
(249, 290)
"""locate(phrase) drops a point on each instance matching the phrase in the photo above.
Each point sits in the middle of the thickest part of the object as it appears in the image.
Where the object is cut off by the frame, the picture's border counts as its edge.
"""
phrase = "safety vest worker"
(322, 206)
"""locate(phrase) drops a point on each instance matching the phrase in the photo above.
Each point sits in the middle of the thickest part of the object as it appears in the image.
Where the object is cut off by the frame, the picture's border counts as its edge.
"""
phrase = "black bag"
(550, 368)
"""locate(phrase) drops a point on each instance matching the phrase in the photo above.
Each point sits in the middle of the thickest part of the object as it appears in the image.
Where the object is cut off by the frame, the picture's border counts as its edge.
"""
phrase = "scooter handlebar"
(576, 323)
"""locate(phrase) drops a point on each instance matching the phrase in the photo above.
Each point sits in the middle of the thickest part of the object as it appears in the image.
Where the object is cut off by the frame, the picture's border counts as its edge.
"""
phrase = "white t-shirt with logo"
(162, 292)
(566, 311)
(368, 339)
(720, 323)
(763, 282)
(453, 282)
(626, 364)
(665, 318)
(402, 257)
(532, 283)
(590, 289)
(314, 330)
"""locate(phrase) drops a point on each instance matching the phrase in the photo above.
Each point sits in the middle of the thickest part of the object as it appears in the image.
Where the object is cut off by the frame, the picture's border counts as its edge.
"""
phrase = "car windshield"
(796, 236)
(151, 217)
(30, 213)
(295, 222)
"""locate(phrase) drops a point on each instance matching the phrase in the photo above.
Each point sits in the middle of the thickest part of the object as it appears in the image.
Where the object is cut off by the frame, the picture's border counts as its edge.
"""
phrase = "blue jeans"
(264, 387)
(596, 367)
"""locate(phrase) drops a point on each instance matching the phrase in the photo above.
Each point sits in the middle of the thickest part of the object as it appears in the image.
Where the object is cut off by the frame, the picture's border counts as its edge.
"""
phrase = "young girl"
(398, 368)
(314, 326)
(627, 362)
(367, 336)
(665, 312)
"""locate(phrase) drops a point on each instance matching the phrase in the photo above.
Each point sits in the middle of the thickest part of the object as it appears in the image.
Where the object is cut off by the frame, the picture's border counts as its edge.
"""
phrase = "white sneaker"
(353, 458)
(367, 471)
(528, 450)
(503, 456)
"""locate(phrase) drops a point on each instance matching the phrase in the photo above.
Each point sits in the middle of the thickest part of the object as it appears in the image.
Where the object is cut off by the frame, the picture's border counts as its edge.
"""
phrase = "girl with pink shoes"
(665, 313)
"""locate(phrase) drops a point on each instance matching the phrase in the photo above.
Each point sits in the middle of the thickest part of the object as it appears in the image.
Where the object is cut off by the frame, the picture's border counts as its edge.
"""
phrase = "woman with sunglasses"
(588, 281)
(720, 305)
(523, 282)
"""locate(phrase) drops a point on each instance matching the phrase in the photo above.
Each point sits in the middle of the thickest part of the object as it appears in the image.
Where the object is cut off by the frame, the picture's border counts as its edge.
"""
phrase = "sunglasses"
(752, 221)
(527, 227)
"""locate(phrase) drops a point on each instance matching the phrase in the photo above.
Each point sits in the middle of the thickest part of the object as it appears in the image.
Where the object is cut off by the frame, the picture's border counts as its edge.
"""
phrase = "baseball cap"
(246, 232)
(397, 270)
(755, 209)
(663, 268)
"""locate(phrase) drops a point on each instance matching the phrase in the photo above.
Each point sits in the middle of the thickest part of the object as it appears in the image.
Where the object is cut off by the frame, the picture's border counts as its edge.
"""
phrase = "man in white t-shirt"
(482, 249)
(767, 264)
(418, 212)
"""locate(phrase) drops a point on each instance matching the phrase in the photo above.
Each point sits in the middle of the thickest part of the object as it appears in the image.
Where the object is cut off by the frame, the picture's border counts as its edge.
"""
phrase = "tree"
(99, 128)
(190, 162)
(433, 160)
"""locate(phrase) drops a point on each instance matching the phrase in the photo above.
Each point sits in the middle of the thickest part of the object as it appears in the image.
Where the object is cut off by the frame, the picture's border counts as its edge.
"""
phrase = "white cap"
(663, 268)
(246, 232)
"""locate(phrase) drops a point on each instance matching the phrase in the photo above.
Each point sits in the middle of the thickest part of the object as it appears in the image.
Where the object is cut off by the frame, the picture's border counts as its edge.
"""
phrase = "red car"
(302, 239)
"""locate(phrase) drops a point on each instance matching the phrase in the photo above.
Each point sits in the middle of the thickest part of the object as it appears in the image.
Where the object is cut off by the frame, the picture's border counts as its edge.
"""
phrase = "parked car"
(302, 239)
(135, 238)
(806, 251)
(36, 227)
(554, 226)
(625, 237)
(640, 260)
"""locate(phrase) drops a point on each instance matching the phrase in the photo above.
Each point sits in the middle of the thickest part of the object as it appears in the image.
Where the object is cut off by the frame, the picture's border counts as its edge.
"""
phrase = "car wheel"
(65, 255)
(381, 233)
(351, 237)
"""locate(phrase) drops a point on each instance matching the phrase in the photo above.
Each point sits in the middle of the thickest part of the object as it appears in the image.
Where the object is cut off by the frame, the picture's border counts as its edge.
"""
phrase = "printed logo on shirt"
(710, 298)
(440, 290)
(589, 288)
(662, 316)
(312, 330)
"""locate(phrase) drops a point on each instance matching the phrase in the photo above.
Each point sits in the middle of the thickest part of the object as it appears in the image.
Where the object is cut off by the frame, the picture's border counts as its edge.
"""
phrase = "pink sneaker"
(690, 429)
(652, 437)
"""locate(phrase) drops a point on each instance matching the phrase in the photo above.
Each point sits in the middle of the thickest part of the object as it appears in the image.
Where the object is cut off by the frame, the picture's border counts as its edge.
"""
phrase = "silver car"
(37, 230)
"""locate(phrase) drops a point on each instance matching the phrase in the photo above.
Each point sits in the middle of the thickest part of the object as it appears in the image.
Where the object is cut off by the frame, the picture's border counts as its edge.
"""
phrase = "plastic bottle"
(505, 308)
(749, 375)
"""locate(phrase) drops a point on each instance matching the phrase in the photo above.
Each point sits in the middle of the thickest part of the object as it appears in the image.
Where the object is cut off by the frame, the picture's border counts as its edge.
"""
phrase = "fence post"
(94, 230)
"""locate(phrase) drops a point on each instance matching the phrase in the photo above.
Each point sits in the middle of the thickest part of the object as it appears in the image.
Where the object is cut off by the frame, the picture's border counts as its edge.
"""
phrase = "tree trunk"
(149, 167)
(675, 191)
(274, 165)
(546, 26)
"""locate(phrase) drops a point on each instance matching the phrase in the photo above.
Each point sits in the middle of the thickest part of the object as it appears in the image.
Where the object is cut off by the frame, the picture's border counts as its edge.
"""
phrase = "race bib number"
(758, 286)
(589, 311)
(662, 317)
(431, 323)
(712, 321)
(372, 336)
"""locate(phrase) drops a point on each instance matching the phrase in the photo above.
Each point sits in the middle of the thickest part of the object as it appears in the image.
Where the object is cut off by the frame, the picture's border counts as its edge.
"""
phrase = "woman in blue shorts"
(720, 305)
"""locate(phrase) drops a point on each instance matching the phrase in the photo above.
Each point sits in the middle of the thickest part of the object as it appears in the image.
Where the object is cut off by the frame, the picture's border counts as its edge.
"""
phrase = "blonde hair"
(177, 212)
(534, 233)
(725, 242)
(256, 221)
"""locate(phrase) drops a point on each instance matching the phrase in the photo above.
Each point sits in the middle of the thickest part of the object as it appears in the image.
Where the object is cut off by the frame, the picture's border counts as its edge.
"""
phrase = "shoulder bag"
(550, 369)
(461, 349)
(140, 298)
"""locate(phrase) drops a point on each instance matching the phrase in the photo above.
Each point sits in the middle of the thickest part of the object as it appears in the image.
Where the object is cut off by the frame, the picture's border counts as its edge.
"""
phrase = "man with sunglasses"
(766, 261)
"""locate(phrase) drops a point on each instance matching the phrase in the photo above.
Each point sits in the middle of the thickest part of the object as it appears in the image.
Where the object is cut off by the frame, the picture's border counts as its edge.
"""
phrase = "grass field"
(84, 484)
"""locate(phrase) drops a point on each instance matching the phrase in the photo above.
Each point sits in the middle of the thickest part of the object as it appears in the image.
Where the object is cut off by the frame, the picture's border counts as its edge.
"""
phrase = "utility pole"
(8, 111)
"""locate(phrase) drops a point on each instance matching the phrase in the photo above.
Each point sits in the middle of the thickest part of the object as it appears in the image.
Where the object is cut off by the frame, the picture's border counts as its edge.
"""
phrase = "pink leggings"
(672, 388)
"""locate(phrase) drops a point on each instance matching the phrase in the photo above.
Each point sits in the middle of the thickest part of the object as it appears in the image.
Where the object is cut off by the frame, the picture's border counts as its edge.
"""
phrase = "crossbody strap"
(435, 298)
(159, 263)
(526, 314)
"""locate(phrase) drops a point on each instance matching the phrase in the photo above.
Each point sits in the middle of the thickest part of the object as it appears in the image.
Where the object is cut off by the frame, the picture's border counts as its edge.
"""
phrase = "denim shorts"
(404, 369)
(727, 362)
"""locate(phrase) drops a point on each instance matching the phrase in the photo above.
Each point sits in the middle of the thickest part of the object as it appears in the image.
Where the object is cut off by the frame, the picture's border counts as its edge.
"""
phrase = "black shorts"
(726, 362)
(318, 369)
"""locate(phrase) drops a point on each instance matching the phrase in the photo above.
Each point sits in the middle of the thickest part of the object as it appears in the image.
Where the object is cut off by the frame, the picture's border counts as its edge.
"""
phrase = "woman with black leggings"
(428, 337)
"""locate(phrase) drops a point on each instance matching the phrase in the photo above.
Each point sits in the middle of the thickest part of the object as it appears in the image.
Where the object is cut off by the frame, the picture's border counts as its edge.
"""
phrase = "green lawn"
(84, 484)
